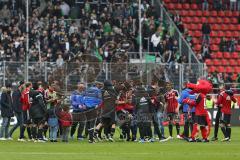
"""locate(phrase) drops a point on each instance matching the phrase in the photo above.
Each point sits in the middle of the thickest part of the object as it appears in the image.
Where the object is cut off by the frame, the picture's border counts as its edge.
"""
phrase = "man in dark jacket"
(6, 111)
(17, 108)
(142, 104)
(206, 30)
(109, 95)
(37, 113)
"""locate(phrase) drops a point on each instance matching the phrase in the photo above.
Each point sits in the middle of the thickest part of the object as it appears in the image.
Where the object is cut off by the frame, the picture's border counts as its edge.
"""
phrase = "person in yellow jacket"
(209, 102)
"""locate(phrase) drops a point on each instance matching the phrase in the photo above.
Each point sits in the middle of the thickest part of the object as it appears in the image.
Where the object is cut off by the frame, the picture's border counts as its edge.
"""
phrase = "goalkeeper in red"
(203, 87)
(224, 101)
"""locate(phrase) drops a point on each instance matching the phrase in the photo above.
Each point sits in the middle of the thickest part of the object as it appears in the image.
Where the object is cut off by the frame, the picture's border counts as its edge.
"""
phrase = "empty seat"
(186, 6)
(226, 55)
(203, 19)
(215, 40)
(235, 13)
(193, 27)
(211, 20)
(215, 27)
(238, 48)
(238, 61)
(199, 13)
(197, 34)
(229, 69)
(234, 76)
(213, 55)
(208, 62)
(214, 47)
(219, 54)
(214, 13)
(206, 13)
(233, 62)
(237, 27)
(228, 34)
(197, 47)
(178, 6)
(217, 62)
(170, 6)
(221, 14)
(234, 20)
(237, 69)
(235, 55)
(224, 62)
(218, 20)
(221, 69)
(196, 41)
(223, 27)
(191, 13)
(228, 13)
(226, 20)
(196, 20)
(194, 6)
(211, 69)
(220, 34)
(232, 27)
(186, 19)
(235, 34)
(214, 34)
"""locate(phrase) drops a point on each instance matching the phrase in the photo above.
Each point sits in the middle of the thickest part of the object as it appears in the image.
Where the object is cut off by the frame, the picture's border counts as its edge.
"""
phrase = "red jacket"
(199, 104)
(25, 99)
(225, 101)
(202, 86)
(65, 119)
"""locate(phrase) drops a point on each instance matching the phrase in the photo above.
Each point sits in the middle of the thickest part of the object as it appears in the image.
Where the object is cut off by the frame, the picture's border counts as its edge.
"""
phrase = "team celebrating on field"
(101, 108)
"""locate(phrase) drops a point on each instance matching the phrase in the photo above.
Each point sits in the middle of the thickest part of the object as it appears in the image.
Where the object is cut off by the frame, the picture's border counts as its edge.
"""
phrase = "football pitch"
(75, 150)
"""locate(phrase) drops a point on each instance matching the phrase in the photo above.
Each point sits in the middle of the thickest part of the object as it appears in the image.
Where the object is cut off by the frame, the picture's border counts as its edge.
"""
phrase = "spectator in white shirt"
(65, 9)
(155, 40)
(59, 61)
(233, 5)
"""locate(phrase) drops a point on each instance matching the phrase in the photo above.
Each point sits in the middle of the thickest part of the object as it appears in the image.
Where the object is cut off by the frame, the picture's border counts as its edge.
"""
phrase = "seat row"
(211, 20)
(214, 27)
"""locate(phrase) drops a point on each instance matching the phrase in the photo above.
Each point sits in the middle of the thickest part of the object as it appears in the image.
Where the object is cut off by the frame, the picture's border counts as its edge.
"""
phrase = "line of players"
(130, 105)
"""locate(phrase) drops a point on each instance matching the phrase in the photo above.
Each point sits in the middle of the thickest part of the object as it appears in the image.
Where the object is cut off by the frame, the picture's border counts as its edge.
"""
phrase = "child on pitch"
(65, 121)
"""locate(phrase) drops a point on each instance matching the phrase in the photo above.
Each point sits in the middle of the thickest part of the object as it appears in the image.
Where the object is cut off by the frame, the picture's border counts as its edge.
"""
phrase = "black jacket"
(38, 107)
(17, 104)
(206, 29)
(6, 103)
(109, 96)
(142, 100)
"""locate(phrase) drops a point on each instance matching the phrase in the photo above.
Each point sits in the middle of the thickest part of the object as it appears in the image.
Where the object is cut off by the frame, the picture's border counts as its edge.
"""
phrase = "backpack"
(92, 97)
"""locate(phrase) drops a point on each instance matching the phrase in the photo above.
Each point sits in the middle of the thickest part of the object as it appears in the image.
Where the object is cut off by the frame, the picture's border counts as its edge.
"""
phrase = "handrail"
(180, 34)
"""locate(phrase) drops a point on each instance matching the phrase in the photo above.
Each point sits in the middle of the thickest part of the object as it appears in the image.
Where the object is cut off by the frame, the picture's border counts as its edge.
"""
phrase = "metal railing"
(184, 47)
(69, 74)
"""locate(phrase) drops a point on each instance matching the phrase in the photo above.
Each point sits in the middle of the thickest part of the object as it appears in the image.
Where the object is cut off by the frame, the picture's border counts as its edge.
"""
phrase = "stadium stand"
(224, 46)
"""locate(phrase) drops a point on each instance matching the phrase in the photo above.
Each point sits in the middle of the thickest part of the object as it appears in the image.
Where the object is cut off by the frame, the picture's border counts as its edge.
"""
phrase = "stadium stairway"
(223, 24)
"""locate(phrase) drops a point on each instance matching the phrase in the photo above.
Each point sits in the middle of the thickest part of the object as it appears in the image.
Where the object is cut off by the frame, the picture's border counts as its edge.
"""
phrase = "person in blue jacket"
(92, 100)
(189, 114)
(78, 108)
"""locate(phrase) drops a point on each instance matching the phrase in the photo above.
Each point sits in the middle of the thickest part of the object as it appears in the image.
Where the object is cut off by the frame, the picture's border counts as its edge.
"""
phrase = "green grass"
(176, 149)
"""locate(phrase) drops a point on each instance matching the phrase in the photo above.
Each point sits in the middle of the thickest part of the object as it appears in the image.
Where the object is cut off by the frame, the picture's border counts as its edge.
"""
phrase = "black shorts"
(201, 120)
(225, 118)
(26, 117)
(192, 119)
(173, 117)
(107, 121)
(38, 121)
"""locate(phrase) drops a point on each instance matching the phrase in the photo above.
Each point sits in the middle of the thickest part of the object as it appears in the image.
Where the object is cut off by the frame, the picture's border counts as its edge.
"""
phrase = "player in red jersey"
(25, 107)
(203, 87)
(172, 110)
(224, 100)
